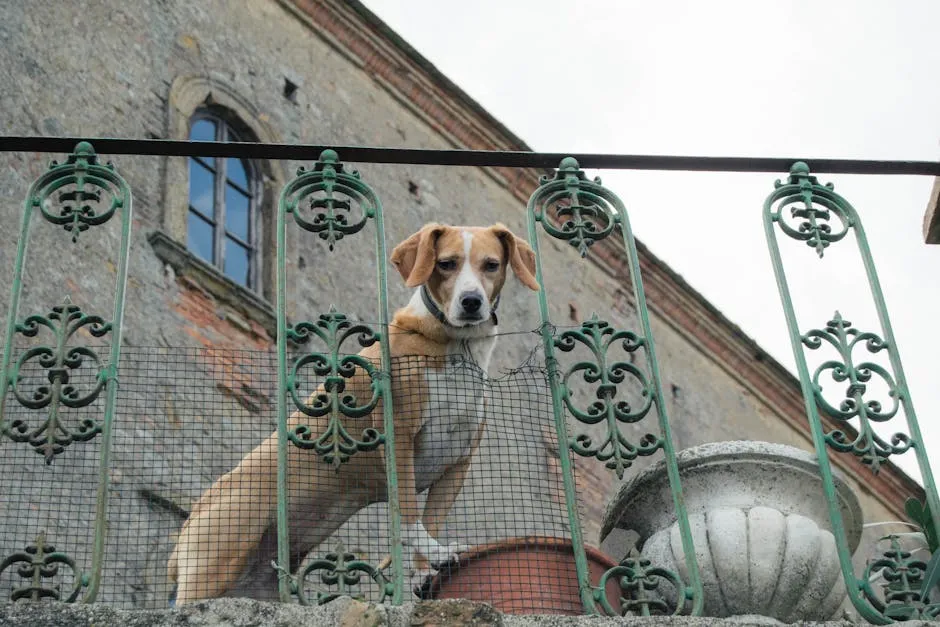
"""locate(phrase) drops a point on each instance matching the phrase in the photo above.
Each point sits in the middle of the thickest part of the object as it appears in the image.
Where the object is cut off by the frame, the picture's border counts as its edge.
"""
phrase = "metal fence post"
(820, 217)
(574, 209)
(318, 187)
(86, 194)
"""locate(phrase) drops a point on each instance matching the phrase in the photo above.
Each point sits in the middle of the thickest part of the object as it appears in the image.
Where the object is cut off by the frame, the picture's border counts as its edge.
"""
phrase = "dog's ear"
(415, 258)
(520, 255)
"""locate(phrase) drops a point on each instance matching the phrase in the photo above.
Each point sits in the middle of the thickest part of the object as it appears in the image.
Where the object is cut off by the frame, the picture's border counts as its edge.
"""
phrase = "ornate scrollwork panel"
(333, 398)
(902, 581)
(80, 193)
(858, 375)
(39, 566)
(816, 215)
(604, 375)
(641, 589)
(322, 200)
(343, 573)
(573, 209)
(60, 363)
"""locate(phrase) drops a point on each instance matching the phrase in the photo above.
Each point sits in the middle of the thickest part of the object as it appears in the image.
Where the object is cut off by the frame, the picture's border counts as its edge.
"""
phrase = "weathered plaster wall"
(189, 411)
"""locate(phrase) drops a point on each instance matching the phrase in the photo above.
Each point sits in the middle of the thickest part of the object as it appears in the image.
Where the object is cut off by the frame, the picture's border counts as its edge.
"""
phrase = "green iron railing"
(569, 207)
(825, 218)
(76, 188)
(586, 212)
(331, 191)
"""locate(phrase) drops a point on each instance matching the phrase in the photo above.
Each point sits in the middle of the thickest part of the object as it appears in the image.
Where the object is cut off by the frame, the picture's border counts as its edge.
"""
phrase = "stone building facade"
(197, 372)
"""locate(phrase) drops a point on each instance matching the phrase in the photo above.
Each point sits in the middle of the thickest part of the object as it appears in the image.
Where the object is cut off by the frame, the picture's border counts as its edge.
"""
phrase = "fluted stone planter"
(760, 525)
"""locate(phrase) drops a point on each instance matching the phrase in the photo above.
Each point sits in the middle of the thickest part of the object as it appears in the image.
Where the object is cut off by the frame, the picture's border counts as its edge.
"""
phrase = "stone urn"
(759, 523)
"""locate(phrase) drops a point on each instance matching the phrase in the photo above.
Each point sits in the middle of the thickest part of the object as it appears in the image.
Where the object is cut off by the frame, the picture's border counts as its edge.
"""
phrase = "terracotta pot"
(528, 575)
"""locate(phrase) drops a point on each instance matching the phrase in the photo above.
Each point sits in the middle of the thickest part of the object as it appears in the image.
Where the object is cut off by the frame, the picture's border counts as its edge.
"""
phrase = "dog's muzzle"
(470, 304)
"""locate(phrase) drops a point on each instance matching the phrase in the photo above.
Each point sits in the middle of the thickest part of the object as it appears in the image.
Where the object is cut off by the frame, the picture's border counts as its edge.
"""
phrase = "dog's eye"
(491, 266)
(447, 264)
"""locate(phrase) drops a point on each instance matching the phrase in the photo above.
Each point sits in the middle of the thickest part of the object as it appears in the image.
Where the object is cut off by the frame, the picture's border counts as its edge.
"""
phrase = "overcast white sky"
(850, 79)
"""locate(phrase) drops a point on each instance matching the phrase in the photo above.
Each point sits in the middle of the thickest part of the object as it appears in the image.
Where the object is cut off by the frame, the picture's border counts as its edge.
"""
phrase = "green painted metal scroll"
(807, 211)
(344, 571)
(76, 195)
(574, 209)
(321, 201)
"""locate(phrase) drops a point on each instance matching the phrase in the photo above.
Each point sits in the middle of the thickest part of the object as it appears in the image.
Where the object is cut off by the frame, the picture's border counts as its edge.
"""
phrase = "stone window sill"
(207, 276)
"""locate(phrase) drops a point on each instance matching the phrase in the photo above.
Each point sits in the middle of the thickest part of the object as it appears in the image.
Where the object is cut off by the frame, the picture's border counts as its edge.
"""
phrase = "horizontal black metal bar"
(492, 158)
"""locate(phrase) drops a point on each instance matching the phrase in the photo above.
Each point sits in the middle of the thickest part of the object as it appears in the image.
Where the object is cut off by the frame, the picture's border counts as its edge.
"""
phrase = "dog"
(227, 545)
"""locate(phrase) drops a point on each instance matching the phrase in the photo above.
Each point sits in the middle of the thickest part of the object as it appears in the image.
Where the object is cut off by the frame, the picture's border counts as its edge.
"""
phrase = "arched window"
(222, 225)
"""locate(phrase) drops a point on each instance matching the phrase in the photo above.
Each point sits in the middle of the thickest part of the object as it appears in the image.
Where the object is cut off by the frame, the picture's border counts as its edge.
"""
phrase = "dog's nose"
(471, 302)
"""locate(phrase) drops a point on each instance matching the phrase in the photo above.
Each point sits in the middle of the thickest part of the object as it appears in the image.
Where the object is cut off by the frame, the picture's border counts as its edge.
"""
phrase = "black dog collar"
(437, 313)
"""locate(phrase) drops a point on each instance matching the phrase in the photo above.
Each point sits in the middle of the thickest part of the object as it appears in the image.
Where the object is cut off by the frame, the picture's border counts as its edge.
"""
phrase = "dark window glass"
(201, 237)
(236, 213)
(201, 189)
(236, 261)
(236, 173)
(202, 130)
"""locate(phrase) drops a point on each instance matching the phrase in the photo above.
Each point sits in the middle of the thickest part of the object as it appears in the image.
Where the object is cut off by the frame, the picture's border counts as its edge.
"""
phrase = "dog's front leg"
(427, 554)
(415, 537)
(441, 497)
(443, 494)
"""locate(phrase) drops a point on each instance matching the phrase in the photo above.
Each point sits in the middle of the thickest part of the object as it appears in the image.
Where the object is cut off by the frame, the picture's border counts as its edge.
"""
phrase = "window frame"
(187, 94)
(228, 130)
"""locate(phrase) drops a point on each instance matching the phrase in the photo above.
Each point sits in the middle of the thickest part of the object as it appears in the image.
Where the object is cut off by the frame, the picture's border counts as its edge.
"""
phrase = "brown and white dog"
(228, 543)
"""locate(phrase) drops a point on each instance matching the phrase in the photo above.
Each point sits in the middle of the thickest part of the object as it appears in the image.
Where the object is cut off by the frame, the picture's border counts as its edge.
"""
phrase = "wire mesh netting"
(193, 440)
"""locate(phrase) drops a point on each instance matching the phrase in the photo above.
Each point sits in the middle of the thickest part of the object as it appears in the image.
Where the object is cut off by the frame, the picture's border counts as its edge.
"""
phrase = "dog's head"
(464, 268)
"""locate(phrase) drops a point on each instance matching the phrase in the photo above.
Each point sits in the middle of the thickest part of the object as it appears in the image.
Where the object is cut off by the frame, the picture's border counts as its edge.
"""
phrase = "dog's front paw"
(443, 555)
(421, 582)
(429, 549)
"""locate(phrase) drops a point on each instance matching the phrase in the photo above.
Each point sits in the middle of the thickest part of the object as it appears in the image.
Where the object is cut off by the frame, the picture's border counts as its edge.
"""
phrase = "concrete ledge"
(343, 612)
